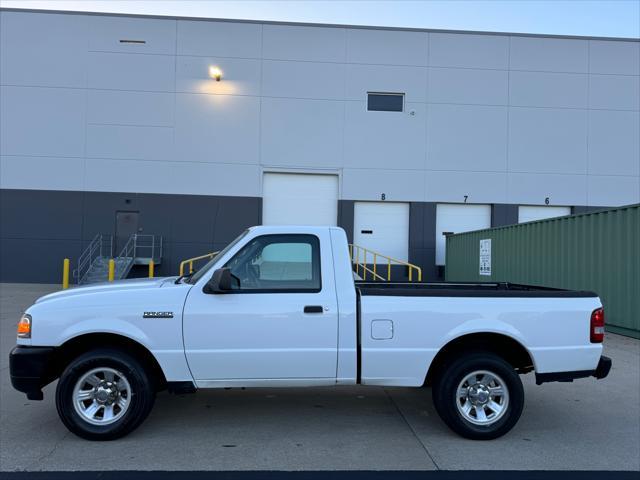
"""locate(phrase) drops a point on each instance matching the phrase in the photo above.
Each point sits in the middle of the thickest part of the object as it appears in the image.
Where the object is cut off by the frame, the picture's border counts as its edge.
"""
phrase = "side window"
(277, 262)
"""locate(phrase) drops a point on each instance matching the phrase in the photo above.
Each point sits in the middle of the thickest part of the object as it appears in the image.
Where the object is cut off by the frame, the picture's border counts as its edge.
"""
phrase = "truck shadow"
(320, 410)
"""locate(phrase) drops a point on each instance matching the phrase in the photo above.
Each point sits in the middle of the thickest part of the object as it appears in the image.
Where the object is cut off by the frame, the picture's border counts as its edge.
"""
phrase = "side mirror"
(220, 281)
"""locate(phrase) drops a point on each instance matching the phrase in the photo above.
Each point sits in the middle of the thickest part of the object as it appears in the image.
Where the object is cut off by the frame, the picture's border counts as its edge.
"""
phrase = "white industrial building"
(116, 124)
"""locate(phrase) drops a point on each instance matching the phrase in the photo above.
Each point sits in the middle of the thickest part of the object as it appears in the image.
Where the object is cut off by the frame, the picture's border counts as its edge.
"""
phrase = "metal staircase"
(93, 264)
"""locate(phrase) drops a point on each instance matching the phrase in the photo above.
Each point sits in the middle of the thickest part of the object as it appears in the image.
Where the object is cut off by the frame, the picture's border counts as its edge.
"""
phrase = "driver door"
(280, 321)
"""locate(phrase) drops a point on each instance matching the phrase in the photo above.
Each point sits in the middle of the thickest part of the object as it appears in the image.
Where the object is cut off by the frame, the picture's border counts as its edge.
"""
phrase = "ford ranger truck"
(279, 307)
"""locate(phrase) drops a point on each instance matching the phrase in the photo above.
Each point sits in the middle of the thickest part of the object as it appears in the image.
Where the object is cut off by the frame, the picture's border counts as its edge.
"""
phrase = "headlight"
(24, 326)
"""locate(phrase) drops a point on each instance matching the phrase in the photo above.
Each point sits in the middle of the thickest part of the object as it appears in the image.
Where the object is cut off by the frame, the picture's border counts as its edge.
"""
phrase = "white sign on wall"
(485, 257)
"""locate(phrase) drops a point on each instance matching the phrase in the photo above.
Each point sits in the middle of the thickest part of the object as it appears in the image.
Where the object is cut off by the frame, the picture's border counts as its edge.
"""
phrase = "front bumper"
(601, 371)
(31, 368)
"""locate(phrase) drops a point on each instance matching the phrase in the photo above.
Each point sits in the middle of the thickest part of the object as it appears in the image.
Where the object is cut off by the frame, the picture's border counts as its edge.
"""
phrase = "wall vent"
(385, 102)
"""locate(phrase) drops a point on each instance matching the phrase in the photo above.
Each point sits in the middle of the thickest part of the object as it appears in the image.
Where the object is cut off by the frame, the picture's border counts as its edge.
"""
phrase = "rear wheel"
(479, 396)
(104, 395)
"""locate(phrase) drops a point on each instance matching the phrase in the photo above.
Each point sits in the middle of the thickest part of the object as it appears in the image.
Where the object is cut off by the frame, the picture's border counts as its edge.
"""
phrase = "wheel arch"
(505, 346)
(75, 346)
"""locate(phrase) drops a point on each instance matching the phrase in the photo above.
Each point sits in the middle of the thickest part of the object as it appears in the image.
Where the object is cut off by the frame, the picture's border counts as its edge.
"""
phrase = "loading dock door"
(529, 213)
(456, 219)
(299, 199)
(382, 227)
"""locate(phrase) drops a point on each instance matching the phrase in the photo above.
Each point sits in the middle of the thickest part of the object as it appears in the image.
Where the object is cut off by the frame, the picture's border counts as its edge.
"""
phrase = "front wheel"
(104, 394)
(479, 396)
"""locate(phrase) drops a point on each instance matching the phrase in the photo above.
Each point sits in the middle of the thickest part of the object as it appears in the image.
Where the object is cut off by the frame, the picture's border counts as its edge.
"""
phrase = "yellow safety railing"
(359, 254)
(189, 261)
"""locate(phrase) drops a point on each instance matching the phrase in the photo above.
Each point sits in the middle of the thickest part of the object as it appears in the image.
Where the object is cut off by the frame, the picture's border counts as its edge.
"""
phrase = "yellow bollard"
(112, 269)
(151, 266)
(65, 274)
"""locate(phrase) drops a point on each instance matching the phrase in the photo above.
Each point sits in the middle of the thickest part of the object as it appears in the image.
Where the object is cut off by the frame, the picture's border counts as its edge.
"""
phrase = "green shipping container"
(597, 251)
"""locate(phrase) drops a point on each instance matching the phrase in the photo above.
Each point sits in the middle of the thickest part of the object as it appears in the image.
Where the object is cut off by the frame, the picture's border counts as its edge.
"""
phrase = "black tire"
(445, 399)
(140, 404)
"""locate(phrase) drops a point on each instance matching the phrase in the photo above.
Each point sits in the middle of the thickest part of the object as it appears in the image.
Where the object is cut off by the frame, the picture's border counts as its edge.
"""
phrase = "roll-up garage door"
(453, 218)
(382, 227)
(299, 199)
(529, 213)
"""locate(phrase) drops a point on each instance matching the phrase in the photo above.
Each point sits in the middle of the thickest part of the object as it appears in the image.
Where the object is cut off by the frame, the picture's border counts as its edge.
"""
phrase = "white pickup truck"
(279, 307)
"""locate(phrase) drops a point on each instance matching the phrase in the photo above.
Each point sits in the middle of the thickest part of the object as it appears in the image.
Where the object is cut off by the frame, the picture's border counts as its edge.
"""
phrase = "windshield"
(198, 275)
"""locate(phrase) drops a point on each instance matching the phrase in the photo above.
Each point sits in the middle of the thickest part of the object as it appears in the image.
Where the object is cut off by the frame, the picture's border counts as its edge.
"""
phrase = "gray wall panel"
(43, 58)
(42, 121)
(155, 216)
(425, 258)
(226, 39)
(469, 51)
(148, 118)
(614, 57)
(176, 252)
(416, 225)
(234, 215)
(105, 33)
(192, 218)
(422, 238)
(40, 228)
(39, 214)
(422, 225)
(31, 260)
(346, 214)
(99, 211)
(504, 215)
(578, 210)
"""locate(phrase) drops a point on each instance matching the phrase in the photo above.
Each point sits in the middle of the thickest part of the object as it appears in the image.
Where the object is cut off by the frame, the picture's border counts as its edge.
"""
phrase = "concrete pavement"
(586, 424)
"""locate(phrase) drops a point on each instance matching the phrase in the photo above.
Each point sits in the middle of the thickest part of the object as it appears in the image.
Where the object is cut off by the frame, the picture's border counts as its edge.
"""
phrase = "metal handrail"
(94, 250)
(101, 246)
(354, 254)
(152, 243)
(86, 255)
(195, 259)
(129, 248)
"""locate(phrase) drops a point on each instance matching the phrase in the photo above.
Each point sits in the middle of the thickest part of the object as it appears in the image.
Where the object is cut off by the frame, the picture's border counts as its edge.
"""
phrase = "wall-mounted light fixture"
(215, 73)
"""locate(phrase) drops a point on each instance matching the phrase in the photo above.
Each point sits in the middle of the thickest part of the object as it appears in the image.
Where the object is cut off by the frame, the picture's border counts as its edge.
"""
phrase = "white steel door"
(529, 213)
(382, 227)
(299, 199)
(456, 218)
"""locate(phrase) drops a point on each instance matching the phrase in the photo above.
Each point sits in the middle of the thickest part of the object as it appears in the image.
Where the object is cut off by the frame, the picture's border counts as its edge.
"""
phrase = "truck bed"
(480, 289)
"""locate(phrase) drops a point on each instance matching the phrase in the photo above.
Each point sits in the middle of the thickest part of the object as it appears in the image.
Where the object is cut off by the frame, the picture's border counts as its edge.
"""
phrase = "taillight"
(597, 325)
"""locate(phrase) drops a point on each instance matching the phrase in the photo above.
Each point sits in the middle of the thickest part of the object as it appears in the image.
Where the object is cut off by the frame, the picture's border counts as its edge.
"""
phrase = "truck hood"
(119, 285)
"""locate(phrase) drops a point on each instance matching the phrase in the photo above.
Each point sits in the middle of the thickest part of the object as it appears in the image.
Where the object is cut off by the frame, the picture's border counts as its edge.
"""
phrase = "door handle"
(313, 309)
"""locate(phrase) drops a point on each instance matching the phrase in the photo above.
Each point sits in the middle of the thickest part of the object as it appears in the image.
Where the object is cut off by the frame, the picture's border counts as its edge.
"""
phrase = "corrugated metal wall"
(597, 251)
